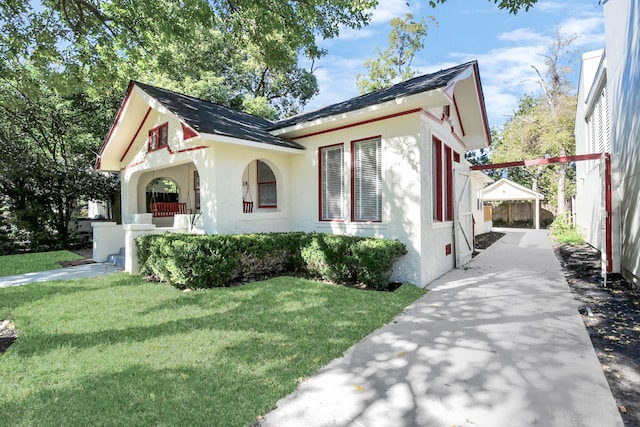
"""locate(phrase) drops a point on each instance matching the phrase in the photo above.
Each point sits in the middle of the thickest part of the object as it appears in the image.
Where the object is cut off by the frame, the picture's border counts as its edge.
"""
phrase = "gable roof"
(208, 117)
(505, 189)
(414, 86)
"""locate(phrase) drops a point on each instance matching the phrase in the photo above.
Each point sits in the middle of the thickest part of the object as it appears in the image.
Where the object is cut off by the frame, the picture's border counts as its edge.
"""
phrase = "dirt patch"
(612, 317)
(85, 253)
(483, 241)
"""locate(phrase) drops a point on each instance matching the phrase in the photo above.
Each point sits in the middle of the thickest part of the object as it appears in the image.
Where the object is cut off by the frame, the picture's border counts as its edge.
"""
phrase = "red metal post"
(608, 208)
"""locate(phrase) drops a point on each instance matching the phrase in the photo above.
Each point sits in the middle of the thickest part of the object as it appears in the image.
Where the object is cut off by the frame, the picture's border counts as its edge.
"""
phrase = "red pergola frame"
(567, 159)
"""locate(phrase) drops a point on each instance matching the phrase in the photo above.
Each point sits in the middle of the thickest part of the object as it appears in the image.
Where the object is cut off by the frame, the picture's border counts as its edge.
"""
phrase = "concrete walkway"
(68, 273)
(498, 344)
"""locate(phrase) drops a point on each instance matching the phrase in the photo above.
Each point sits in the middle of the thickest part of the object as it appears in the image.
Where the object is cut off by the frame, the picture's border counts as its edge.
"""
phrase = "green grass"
(29, 263)
(122, 351)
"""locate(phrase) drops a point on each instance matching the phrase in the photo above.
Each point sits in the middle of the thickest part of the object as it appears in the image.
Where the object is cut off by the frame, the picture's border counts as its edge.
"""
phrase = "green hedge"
(205, 261)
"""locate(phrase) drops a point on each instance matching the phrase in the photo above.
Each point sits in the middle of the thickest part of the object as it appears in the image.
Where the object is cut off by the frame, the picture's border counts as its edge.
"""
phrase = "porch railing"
(164, 209)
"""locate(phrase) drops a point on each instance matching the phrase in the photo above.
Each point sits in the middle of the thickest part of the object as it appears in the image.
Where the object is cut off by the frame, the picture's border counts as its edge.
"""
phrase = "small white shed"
(507, 190)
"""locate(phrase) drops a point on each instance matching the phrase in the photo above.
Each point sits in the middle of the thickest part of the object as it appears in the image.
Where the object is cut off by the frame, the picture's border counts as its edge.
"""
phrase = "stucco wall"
(407, 187)
(401, 188)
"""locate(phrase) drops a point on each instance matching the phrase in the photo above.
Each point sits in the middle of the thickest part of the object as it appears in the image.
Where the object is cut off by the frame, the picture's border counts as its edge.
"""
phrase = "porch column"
(131, 254)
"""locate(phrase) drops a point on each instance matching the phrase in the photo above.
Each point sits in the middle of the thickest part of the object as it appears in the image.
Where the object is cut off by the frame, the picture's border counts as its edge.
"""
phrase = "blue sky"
(506, 46)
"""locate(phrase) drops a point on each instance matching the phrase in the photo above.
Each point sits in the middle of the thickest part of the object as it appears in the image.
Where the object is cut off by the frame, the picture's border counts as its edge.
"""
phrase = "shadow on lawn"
(17, 296)
(140, 395)
(178, 371)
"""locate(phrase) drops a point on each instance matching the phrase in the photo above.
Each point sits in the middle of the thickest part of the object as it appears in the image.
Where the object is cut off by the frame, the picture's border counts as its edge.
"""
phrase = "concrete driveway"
(499, 343)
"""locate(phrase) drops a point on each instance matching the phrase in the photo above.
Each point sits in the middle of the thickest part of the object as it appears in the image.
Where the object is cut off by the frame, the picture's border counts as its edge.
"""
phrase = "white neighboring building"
(387, 164)
(608, 121)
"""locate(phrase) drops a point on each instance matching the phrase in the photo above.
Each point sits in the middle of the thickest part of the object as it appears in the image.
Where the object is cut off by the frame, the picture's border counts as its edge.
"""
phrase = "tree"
(394, 63)
(560, 106)
(543, 127)
(46, 152)
(513, 6)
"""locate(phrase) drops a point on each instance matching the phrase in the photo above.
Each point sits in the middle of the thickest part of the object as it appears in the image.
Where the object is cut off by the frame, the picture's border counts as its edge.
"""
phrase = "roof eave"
(435, 97)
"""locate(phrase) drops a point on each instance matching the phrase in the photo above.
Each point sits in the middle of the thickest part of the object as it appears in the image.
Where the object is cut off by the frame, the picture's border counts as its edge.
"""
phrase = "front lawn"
(119, 350)
(29, 263)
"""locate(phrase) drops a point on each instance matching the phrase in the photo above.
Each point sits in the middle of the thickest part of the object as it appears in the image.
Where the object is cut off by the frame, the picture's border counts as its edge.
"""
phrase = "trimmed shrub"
(205, 261)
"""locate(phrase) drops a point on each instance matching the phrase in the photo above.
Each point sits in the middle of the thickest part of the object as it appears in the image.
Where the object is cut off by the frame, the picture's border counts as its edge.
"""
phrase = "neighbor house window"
(331, 160)
(267, 192)
(159, 137)
(366, 180)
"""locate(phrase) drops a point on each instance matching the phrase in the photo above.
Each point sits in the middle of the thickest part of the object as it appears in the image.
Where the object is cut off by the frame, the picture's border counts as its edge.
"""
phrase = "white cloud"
(336, 84)
(588, 29)
(550, 6)
(389, 9)
(524, 35)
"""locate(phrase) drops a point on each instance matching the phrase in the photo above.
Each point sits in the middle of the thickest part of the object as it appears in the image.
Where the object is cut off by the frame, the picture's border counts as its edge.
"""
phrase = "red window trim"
(437, 152)
(448, 216)
(157, 131)
(353, 168)
(320, 182)
(259, 183)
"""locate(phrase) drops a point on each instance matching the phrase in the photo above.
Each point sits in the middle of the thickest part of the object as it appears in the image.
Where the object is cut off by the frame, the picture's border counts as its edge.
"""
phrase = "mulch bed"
(76, 262)
(612, 317)
(483, 241)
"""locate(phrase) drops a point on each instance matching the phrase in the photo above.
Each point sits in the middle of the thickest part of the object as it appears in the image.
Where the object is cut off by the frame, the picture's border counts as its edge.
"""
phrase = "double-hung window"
(332, 183)
(366, 178)
(442, 158)
(159, 137)
(267, 188)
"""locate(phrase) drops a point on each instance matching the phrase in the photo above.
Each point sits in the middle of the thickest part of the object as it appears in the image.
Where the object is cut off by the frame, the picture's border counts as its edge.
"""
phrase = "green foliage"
(513, 6)
(564, 231)
(394, 63)
(195, 261)
(45, 162)
(120, 351)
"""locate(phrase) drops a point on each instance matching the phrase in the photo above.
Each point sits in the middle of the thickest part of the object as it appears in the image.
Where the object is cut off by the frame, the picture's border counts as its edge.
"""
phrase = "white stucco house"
(607, 121)
(387, 164)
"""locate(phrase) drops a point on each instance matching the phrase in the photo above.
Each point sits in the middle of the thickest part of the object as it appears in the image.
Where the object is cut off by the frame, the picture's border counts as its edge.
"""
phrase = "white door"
(463, 216)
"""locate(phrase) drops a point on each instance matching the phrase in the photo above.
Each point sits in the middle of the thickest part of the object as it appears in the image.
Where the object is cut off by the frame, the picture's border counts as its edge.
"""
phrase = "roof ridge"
(377, 95)
(201, 100)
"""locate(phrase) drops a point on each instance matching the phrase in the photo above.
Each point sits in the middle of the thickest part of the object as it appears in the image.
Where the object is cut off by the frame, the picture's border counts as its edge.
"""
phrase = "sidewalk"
(68, 273)
(498, 344)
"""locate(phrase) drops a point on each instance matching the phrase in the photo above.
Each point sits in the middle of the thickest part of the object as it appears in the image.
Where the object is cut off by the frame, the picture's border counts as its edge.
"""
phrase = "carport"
(506, 190)
(608, 206)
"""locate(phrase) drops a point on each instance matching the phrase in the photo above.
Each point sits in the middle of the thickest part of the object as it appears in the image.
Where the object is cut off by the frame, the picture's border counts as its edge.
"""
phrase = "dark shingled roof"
(208, 117)
(400, 90)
